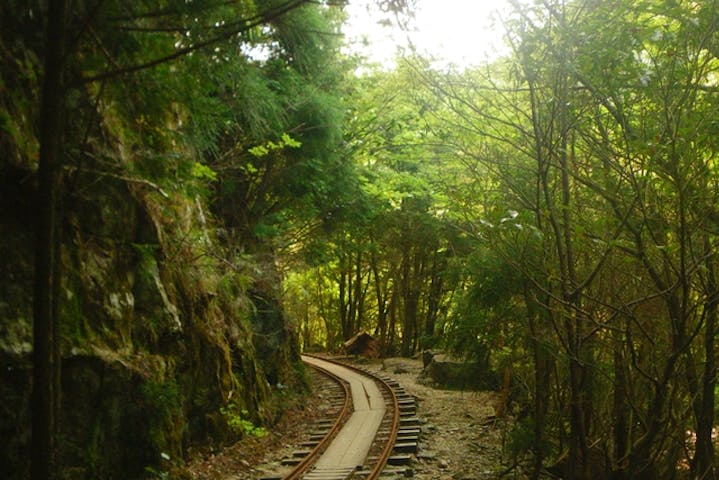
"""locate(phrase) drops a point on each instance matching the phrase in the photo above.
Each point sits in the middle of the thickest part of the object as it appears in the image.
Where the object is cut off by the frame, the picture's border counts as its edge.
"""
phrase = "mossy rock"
(450, 372)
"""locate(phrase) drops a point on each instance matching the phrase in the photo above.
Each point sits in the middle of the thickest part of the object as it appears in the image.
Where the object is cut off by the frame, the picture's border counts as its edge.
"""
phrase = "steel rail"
(309, 459)
(387, 451)
(389, 446)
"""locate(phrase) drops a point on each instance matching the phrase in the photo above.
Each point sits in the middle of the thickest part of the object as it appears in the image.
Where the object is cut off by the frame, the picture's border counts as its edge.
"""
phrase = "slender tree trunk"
(345, 298)
(351, 301)
(418, 281)
(621, 410)
(306, 332)
(580, 398)
(703, 464)
(358, 294)
(324, 309)
(642, 457)
(406, 293)
(380, 293)
(44, 381)
(56, 285)
(542, 378)
(392, 312)
(434, 297)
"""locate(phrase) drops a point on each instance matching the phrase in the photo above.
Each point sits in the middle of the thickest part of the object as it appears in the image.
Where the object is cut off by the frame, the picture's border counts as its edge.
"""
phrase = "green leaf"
(290, 142)
(259, 151)
(203, 172)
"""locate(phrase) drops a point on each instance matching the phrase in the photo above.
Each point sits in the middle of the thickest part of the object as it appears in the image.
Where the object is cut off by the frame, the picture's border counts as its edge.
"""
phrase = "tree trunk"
(434, 296)
(380, 294)
(542, 378)
(621, 410)
(405, 294)
(703, 464)
(351, 301)
(324, 308)
(345, 297)
(44, 368)
(392, 329)
(359, 294)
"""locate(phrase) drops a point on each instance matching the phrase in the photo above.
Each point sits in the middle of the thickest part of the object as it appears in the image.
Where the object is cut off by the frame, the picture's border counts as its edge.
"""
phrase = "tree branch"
(266, 16)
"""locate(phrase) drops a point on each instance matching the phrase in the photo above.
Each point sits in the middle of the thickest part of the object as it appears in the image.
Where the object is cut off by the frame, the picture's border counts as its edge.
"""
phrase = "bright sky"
(464, 32)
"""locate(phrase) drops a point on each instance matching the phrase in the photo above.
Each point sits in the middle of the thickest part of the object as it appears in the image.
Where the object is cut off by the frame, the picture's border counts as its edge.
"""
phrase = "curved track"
(358, 445)
(312, 456)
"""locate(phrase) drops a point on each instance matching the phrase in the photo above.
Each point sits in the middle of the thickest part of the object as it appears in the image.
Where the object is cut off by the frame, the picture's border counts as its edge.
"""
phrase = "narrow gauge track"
(360, 445)
(321, 446)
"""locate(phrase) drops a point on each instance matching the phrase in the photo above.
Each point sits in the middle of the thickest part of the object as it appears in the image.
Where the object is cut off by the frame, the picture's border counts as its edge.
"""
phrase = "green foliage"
(263, 150)
(520, 439)
(237, 420)
(163, 397)
(203, 172)
(163, 401)
(584, 202)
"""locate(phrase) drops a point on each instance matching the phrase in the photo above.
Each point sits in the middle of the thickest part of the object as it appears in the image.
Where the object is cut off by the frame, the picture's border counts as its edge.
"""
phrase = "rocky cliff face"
(161, 344)
(162, 347)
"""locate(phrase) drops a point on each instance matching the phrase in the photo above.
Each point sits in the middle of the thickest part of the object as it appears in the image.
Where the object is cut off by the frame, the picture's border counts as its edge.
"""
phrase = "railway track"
(372, 436)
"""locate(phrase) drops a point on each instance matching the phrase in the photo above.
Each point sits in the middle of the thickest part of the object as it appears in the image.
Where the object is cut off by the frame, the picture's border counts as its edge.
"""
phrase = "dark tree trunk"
(703, 464)
(643, 455)
(621, 410)
(351, 300)
(542, 379)
(381, 295)
(392, 329)
(403, 294)
(434, 297)
(324, 307)
(345, 298)
(359, 294)
(409, 303)
(44, 368)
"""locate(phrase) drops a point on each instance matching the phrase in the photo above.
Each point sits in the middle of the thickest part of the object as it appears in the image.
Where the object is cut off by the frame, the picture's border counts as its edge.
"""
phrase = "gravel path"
(461, 438)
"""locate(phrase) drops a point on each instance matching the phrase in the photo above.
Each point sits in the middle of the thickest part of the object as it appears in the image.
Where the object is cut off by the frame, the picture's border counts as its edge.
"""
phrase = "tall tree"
(46, 274)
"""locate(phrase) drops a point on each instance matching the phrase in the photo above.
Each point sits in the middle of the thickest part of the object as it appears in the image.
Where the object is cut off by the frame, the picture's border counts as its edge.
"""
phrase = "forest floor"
(461, 437)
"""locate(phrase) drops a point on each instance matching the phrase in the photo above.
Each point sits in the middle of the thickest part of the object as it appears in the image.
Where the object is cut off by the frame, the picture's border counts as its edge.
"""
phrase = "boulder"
(427, 356)
(363, 344)
(448, 371)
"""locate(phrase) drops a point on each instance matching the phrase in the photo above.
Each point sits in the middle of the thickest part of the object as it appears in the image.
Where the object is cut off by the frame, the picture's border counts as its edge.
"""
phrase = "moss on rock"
(156, 336)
